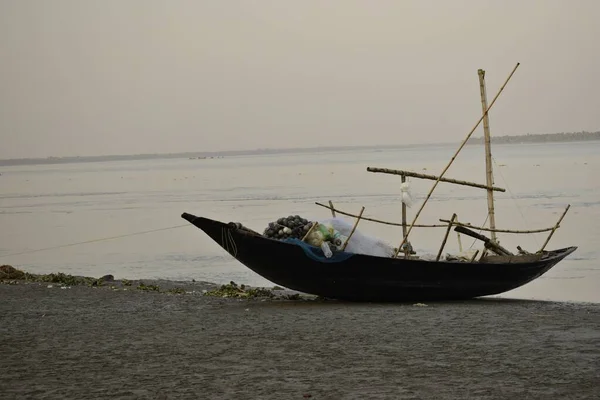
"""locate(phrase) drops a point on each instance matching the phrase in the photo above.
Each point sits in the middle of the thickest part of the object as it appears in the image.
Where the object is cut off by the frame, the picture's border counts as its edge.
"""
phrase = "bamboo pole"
(406, 251)
(445, 225)
(484, 253)
(488, 244)
(474, 255)
(353, 228)
(498, 230)
(332, 209)
(460, 248)
(555, 228)
(522, 251)
(489, 178)
(378, 220)
(452, 160)
(439, 254)
(312, 228)
(403, 177)
(433, 178)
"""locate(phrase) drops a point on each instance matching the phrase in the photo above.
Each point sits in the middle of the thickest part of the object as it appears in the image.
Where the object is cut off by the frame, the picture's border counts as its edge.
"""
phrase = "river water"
(47, 206)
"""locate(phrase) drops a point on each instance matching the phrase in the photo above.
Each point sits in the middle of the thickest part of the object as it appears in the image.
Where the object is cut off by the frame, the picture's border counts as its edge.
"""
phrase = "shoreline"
(208, 155)
(214, 289)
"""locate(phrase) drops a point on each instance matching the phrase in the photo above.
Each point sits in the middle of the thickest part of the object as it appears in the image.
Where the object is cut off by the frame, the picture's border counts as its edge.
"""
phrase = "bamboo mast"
(488, 153)
(406, 251)
(452, 160)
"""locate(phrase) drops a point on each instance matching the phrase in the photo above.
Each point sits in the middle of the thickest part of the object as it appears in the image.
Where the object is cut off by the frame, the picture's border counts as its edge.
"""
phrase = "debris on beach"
(232, 289)
(149, 288)
(13, 276)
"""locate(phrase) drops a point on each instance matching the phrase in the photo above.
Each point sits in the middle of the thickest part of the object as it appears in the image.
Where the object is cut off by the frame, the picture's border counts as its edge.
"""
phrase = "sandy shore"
(95, 342)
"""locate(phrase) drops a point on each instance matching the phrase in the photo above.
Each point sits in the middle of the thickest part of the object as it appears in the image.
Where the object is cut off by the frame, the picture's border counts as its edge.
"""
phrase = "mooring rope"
(514, 199)
(93, 241)
(482, 225)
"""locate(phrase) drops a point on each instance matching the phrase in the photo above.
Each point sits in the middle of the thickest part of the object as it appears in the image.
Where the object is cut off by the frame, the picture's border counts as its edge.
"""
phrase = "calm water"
(52, 205)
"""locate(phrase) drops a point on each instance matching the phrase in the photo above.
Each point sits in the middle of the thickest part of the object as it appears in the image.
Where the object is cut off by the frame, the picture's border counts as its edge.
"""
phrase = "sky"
(83, 77)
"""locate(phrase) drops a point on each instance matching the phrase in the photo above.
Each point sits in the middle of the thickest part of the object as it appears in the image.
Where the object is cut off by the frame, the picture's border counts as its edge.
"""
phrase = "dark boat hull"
(360, 277)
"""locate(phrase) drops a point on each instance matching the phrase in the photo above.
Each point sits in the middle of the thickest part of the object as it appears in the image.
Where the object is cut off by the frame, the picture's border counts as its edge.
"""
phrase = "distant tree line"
(528, 138)
(540, 138)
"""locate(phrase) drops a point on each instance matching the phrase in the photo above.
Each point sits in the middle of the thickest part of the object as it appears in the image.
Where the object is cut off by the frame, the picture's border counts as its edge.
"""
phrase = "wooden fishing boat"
(298, 265)
(358, 277)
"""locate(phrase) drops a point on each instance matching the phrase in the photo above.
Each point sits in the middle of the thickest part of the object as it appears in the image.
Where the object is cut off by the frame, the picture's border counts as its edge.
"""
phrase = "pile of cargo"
(288, 227)
(330, 235)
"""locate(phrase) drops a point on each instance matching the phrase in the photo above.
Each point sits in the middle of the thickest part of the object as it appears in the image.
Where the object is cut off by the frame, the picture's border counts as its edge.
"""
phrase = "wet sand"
(89, 343)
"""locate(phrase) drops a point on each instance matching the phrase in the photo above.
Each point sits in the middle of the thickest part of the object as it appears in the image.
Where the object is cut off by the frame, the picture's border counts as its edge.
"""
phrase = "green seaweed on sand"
(61, 278)
(9, 272)
(232, 289)
(148, 288)
(64, 279)
(11, 275)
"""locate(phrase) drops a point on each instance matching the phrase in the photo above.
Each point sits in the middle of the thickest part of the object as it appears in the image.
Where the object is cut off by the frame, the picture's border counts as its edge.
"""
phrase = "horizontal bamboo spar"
(497, 230)
(433, 178)
(377, 220)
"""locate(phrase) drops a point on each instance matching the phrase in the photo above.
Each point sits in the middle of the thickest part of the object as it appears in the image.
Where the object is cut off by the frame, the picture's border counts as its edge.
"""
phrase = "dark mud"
(96, 342)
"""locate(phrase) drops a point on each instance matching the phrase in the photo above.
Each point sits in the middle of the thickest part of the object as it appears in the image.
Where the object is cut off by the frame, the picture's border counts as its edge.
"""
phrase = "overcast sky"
(84, 77)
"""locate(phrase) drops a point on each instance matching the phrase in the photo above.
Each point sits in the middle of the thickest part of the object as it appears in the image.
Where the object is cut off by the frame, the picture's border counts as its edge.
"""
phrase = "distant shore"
(541, 138)
(507, 139)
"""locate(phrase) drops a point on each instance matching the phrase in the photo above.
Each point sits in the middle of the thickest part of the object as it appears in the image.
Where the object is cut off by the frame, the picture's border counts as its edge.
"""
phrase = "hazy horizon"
(143, 77)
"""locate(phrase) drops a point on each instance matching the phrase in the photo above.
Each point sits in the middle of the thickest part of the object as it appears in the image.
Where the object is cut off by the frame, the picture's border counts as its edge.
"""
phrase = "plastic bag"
(359, 243)
(324, 233)
(406, 196)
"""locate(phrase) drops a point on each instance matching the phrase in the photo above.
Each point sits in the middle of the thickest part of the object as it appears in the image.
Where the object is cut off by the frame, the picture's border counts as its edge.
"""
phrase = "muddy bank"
(101, 342)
